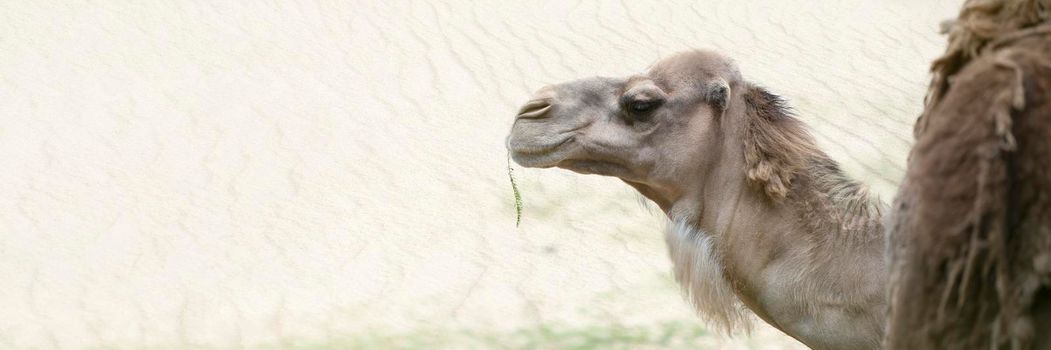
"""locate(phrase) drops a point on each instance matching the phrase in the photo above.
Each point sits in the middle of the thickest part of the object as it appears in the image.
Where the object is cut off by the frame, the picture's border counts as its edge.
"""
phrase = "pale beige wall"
(210, 173)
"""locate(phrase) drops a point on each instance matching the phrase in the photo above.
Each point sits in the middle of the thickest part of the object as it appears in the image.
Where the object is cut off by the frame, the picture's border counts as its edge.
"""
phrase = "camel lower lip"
(538, 150)
(536, 159)
(539, 156)
(535, 151)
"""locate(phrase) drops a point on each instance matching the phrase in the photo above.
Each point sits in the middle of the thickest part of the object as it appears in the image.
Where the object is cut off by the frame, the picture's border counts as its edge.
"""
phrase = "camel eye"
(640, 102)
(643, 106)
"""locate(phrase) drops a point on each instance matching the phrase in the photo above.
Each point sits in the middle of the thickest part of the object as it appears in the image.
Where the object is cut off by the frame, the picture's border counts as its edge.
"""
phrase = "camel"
(760, 219)
(970, 237)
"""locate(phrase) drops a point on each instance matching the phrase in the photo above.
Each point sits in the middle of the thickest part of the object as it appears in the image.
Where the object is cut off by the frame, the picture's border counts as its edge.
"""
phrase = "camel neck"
(823, 201)
(830, 204)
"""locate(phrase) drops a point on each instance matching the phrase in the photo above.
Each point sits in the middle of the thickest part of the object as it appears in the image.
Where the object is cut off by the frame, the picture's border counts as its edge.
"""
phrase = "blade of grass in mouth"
(514, 188)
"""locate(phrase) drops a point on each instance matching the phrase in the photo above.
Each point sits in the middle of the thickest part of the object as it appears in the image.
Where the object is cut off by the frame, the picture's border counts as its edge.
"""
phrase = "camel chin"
(594, 167)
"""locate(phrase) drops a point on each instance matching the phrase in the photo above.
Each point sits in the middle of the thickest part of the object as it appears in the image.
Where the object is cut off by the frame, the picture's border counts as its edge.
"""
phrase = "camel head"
(664, 130)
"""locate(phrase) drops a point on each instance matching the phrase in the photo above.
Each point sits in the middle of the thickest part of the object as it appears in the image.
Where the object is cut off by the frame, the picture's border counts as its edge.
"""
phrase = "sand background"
(217, 174)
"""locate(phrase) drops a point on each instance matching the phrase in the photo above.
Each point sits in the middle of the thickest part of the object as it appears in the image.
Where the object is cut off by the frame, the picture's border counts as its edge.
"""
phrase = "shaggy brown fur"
(971, 241)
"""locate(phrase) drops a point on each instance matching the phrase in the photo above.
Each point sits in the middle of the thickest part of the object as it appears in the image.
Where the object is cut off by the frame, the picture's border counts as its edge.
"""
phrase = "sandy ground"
(217, 175)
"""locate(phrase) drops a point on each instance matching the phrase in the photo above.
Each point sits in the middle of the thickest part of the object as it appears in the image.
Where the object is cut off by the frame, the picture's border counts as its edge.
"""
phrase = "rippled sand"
(318, 174)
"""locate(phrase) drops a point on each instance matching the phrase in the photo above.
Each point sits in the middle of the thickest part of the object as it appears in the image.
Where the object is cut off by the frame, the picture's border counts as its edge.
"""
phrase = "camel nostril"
(534, 109)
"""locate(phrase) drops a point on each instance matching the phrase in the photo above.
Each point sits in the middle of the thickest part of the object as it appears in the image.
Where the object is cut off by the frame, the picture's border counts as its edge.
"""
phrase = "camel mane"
(784, 161)
(777, 145)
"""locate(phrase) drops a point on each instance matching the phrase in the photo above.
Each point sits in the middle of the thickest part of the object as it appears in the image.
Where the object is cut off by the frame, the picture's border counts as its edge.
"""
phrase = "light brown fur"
(756, 208)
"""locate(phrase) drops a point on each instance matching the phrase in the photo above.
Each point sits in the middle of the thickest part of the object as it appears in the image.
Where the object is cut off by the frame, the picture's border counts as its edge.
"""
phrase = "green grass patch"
(668, 335)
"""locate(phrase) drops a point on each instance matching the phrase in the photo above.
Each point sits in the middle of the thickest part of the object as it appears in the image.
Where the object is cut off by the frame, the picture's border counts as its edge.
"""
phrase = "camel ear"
(776, 144)
(718, 94)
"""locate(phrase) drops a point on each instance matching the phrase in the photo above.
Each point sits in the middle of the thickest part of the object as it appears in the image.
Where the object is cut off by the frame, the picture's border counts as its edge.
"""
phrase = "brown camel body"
(760, 218)
(970, 240)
